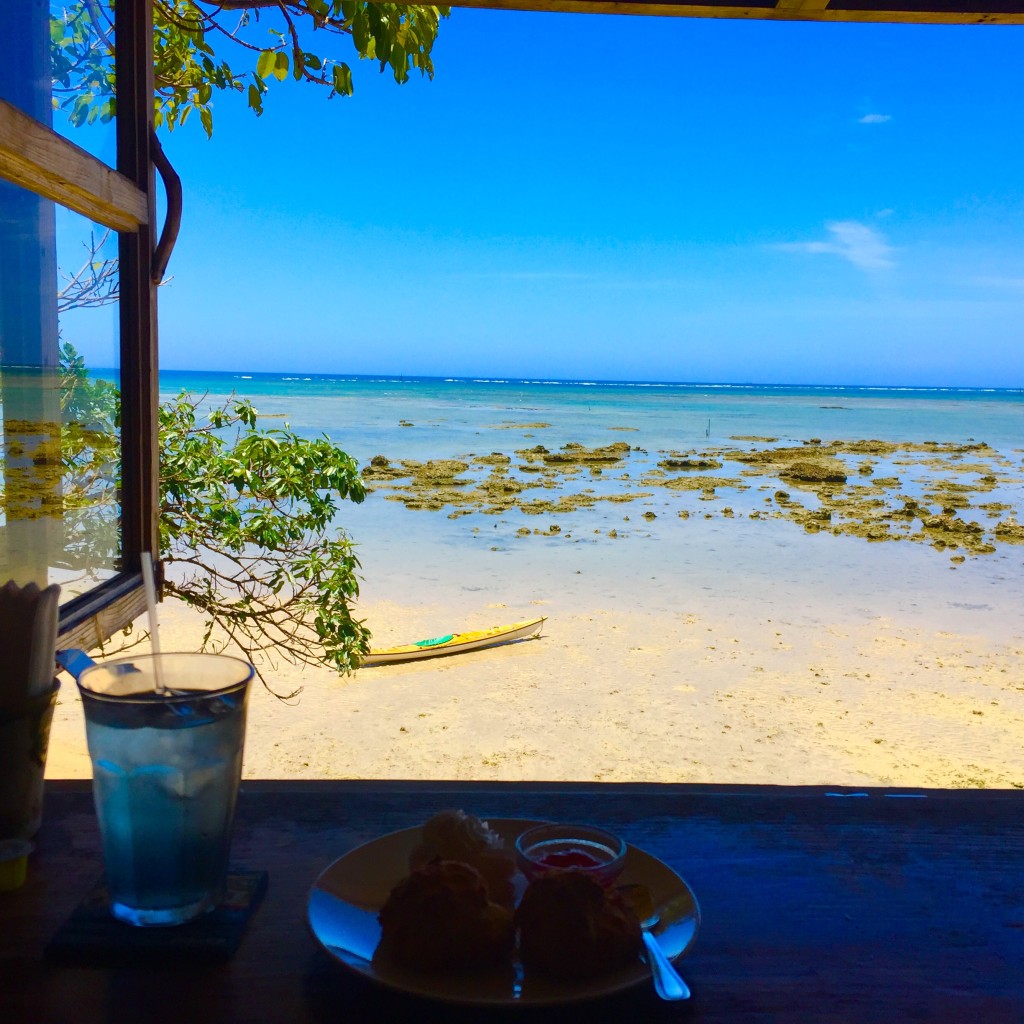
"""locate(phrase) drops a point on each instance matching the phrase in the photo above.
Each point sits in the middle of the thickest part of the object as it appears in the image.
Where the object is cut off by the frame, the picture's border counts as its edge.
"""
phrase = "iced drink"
(166, 768)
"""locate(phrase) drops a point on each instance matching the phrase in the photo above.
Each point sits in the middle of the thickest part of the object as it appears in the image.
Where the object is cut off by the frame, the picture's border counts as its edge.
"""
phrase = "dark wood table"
(817, 905)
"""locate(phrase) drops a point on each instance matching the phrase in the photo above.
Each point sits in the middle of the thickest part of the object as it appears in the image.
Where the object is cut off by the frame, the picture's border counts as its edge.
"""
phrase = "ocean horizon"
(371, 414)
(443, 416)
(186, 378)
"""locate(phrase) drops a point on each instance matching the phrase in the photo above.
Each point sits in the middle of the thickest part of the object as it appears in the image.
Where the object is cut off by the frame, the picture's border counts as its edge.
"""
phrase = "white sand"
(757, 679)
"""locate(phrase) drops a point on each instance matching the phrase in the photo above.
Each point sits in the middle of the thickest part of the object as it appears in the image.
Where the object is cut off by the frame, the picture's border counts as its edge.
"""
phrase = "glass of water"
(165, 737)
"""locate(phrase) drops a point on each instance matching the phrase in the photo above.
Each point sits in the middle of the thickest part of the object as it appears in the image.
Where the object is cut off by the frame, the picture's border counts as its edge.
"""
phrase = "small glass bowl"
(585, 848)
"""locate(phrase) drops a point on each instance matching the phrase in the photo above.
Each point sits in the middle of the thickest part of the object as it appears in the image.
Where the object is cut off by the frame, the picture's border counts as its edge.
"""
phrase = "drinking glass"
(165, 737)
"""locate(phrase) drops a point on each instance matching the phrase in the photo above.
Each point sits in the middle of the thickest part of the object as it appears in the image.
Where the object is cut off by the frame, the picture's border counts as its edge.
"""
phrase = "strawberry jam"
(550, 847)
(573, 857)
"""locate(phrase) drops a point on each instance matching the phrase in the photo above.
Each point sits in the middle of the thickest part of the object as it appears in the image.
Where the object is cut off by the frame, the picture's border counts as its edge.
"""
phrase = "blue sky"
(621, 198)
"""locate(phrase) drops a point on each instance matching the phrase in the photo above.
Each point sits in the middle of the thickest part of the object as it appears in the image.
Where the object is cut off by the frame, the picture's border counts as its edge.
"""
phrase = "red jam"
(571, 858)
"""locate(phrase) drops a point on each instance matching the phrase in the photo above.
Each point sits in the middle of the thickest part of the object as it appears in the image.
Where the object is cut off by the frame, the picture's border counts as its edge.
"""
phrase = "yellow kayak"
(455, 643)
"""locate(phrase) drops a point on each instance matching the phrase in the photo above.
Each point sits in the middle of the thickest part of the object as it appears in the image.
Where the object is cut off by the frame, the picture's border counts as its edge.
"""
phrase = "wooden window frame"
(906, 12)
(36, 158)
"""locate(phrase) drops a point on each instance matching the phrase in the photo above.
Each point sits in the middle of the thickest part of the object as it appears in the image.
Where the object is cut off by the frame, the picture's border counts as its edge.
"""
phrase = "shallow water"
(467, 565)
(451, 415)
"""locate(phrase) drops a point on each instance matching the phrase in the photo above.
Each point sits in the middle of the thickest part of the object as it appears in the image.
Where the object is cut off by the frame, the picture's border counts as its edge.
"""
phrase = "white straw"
(154, 633)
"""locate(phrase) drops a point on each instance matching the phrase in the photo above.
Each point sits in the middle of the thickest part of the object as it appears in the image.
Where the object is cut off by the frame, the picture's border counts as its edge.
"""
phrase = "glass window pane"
(60, 69)
(60, 454)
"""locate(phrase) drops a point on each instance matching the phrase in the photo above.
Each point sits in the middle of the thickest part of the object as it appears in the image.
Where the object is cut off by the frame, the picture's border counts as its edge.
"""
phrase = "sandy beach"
(751, 608)
(801, 669)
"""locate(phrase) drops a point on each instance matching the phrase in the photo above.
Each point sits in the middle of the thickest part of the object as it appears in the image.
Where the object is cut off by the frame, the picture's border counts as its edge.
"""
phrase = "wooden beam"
(88, 629)
(936, 12)
(36, 158)
(930, 12)
(801, 5)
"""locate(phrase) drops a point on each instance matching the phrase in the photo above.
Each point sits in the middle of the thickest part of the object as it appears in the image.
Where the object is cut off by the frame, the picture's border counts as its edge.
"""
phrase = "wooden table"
(818, 905)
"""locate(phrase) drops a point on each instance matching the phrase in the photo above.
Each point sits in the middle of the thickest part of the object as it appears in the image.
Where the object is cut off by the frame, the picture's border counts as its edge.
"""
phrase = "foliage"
(191, 37)
(89, 448)
(247, 514)
(246, 520)
(90, 467)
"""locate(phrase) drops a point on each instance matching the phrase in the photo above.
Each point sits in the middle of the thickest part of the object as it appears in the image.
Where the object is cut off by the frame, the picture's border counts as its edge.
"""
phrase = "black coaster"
(92, 935)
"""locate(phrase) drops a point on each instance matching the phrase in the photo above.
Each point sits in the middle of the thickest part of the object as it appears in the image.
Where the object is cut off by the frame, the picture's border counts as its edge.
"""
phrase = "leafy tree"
(246, 518)
(198, 44)
(247, 513)
(90, 466)
(89, 425)
(246, 521)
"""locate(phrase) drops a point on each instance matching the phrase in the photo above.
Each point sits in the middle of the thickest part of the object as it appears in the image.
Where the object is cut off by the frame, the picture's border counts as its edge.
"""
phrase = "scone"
(455, 835)
(571, 927)
(440, 918)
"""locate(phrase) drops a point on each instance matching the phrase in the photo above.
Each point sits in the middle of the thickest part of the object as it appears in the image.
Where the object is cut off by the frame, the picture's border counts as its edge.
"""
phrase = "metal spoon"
(667, 982)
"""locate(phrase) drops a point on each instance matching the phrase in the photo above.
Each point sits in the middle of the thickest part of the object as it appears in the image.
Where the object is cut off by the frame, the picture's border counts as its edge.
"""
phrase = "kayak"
(455, 643)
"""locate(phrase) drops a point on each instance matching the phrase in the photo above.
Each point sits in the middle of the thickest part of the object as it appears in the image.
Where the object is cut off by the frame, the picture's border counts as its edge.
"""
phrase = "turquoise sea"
(362, 413)
(720, 555)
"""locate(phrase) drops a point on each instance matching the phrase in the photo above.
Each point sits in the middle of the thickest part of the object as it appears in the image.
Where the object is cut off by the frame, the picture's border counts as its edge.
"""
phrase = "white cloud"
(857, 243)
(874, 119)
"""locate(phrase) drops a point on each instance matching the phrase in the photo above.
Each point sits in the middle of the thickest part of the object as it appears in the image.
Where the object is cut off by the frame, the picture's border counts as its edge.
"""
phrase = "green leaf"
(397, 60)
(193, 43)
(361, 31)
(266, 63)
(341, 78)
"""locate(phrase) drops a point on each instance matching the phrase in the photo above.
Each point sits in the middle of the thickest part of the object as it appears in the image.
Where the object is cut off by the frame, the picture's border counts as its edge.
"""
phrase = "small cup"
(166, 765)
(593, 851)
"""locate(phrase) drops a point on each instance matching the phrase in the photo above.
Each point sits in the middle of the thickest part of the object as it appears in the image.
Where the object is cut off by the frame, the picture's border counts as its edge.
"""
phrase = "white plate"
(345, 899)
